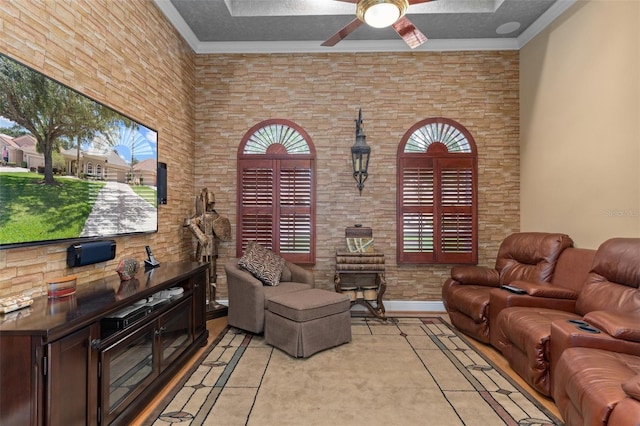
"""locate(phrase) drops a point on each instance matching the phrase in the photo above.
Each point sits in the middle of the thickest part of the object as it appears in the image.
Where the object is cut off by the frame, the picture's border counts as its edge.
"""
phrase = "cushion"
(264, 264)
(307, 305)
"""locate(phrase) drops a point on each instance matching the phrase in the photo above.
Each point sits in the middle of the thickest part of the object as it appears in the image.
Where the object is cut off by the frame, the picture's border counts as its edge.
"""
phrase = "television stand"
(99, 356)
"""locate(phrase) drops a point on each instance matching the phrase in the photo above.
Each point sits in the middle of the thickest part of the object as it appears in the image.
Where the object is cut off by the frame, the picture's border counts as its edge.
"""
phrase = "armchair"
(248, 295)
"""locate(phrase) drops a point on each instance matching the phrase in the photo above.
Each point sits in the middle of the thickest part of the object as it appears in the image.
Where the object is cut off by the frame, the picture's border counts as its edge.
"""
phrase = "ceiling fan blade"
(409, 33)
(345, 31)
(411, 1)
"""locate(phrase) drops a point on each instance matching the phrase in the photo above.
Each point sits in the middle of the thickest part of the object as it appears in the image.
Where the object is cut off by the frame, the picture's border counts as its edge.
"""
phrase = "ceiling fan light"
(381, 13)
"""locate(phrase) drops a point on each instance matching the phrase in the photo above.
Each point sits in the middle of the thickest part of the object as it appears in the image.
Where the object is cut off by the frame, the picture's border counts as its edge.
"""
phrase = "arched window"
(98, 170)
(89, 169)
(276, 190)
(437, 194)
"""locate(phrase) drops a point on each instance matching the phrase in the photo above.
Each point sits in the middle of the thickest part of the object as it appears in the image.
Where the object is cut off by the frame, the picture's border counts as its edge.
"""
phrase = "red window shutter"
(296, 216)
(276, 207)
(416, 230)
(457, 234)
(256, 205)
(437, 208)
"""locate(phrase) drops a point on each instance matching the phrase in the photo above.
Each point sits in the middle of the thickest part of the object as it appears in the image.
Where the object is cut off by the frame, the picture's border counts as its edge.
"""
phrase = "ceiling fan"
(381, 14)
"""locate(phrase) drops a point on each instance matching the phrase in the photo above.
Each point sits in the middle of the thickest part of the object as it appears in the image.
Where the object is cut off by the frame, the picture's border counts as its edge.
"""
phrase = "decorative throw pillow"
(264, 264)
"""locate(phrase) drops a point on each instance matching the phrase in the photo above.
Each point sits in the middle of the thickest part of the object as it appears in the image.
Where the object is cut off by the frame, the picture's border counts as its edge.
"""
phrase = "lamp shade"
(360, 153)
(381, 13)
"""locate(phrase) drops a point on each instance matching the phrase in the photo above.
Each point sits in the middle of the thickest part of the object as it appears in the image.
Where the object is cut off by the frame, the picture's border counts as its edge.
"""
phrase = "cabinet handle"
(160, 330)
(95, 343)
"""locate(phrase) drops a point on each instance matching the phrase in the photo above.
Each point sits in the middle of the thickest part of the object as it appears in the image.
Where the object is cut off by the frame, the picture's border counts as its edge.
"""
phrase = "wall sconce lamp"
(360, 153)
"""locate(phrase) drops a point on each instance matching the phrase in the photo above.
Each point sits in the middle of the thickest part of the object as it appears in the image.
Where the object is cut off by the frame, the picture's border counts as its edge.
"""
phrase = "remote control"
(512, 289)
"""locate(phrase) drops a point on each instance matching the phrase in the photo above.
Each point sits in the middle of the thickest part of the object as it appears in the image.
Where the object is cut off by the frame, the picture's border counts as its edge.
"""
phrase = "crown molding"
(353, 46)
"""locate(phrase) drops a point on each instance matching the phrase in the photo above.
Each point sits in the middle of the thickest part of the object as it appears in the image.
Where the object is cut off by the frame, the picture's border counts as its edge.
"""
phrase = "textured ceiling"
(302, 25)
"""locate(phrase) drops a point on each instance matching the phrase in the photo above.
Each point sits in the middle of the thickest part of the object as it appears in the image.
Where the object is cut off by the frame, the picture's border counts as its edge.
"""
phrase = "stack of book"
(359, 262)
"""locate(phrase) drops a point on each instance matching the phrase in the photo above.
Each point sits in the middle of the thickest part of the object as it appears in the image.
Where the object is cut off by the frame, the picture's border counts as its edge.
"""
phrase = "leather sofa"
(248, 296)
(534, 338)
(528, 256)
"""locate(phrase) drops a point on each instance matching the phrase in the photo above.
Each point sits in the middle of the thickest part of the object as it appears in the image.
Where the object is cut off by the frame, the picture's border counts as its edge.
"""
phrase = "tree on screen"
(51, 112)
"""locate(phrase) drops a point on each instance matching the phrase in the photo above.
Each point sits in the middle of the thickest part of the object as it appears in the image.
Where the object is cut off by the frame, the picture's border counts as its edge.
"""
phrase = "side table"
(369, 263)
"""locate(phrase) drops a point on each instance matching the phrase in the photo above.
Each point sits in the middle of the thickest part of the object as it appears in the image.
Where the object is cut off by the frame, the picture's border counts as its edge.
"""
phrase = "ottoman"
(304, 322)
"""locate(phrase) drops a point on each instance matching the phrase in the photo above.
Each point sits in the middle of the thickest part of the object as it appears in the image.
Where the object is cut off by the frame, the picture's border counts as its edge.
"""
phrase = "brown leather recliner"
(560, 293)
(529, 256)
(525, 336)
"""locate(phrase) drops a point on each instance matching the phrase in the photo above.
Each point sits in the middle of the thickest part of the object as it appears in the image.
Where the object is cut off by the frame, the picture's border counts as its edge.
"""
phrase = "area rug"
(403, 371)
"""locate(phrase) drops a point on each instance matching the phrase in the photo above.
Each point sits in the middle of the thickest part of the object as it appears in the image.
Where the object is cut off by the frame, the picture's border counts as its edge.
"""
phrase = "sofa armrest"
(476, 275)
(238, 276)
(620, 325)
(547, 290)
(299, 274)
(565, 334)
(246, 298)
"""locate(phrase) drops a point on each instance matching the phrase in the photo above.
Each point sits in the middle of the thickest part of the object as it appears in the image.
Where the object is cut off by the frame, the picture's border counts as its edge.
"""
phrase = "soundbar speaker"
(92, 252)
(162, 183)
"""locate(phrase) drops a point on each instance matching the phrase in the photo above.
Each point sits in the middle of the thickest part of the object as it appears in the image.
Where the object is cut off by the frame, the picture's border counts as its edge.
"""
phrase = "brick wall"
(322, 93)
(127, 56)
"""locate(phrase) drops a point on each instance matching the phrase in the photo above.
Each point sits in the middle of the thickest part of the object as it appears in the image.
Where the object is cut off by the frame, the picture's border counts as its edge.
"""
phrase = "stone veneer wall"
(322, 93)
(126, 55)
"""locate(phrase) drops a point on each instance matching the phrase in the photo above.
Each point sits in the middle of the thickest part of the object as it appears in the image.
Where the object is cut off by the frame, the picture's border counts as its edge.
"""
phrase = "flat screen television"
(71, 168)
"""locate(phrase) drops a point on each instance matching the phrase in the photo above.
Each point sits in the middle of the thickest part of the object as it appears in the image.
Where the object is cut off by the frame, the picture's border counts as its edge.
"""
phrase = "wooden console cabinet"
(63, 363)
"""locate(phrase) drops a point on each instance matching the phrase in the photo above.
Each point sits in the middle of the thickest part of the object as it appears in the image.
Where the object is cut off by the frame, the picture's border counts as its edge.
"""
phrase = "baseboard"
(414, 306)
(395, 306)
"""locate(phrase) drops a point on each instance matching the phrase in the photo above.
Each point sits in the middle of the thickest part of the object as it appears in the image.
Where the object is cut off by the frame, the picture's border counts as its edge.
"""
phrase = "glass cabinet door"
(175, 331)
(127, 367)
